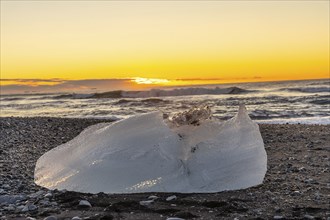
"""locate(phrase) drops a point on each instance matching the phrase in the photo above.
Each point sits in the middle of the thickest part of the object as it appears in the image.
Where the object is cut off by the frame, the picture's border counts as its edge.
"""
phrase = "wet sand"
(296, 186)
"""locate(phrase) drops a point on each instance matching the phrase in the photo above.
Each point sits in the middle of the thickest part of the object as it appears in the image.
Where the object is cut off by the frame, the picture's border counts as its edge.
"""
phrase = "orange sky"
(214, 41)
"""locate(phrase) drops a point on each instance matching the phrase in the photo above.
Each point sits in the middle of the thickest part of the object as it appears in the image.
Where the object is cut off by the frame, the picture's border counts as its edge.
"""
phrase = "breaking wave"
(158, 93)
(185, 92)
(308, 89)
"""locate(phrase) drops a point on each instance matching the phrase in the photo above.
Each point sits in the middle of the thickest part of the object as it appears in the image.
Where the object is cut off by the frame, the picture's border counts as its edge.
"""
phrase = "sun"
(149, 81)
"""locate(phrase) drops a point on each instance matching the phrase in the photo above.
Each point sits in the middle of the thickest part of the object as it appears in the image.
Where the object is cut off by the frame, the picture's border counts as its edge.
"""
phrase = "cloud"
(56, 85)
(20, 86)
(200, 79)
(33, 80)
(218, 79)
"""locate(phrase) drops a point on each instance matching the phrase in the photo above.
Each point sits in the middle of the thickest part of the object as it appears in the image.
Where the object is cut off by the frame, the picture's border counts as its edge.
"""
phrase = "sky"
(160, 43)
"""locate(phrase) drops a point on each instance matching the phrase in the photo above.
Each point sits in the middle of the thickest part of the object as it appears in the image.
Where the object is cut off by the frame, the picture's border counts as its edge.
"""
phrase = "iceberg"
(188, 153)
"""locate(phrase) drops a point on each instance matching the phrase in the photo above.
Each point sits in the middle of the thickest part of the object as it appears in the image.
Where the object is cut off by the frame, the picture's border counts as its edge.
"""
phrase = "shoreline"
(296, 184)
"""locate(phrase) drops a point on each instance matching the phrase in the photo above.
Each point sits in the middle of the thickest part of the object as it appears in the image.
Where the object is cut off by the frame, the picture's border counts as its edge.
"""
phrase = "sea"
(293, 102)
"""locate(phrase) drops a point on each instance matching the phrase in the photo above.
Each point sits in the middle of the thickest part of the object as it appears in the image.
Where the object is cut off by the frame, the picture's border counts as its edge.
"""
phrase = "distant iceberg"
(188, 153)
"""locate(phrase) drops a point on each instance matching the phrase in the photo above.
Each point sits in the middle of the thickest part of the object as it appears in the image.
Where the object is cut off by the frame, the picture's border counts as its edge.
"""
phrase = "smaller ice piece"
(189, 153)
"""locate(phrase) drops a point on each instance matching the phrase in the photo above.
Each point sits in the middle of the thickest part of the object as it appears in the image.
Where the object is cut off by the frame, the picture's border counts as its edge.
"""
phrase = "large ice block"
(146, 153)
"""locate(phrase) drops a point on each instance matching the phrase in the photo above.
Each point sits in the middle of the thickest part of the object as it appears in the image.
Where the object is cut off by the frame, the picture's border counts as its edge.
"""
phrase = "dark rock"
(84, 204)
(10, 199)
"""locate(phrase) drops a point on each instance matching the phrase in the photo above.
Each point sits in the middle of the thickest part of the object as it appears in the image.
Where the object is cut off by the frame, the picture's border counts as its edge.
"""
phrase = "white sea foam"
(144, 153)
(309, 120)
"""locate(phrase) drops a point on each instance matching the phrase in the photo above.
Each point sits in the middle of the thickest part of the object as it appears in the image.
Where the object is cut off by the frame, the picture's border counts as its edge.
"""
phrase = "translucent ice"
(144, 153)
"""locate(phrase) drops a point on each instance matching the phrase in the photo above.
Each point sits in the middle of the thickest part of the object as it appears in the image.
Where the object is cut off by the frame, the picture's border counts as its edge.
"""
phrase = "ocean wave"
(73, 96)
(320, 101)
(11, 99)
(157, 93)
(308, 89)
(185, 92)
(142, 101)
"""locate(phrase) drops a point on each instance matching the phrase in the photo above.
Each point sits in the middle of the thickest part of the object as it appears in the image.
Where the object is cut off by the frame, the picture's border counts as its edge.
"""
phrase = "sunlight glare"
(140, 80)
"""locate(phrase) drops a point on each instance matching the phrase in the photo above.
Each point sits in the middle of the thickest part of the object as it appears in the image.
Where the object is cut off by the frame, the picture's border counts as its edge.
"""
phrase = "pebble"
(308, 217)
(146, 203)
(170, 198)
(20, 207)
(317, 196)
(309, 181)
(296, 193)
(37, 194)
(11, 207)
(54, 203)
(32, 207)
(51, 217)
(11, 199)
(174, 218)
(76, 218)
(44, 202)
(84, 204)
(29, 207)
(278, 217)
(277, 209)
(48, 195)
(153, 197)
(6, 186)
(25, 209)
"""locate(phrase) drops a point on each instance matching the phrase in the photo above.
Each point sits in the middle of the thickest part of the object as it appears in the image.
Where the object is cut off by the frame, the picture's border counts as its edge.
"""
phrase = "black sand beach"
(296, 185)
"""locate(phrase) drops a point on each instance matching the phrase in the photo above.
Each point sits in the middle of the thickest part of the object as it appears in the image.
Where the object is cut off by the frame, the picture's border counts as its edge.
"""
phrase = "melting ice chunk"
(144, 153)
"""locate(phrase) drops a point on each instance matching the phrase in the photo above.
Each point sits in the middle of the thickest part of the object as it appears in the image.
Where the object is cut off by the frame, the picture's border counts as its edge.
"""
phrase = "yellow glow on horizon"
(181, 43)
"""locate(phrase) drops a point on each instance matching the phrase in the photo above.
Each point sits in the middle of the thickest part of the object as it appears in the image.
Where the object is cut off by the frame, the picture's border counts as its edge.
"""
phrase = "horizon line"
(150, 88)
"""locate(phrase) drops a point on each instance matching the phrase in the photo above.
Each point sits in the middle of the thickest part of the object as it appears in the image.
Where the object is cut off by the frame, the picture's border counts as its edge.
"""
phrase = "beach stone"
(52, 217)
(25, 209)
(296, 193)
(30, 218)
(317, 196)
(153, 197)
(278, 217)
(170, 198)
(187, 215)
(54, 203)
(308, 216)
(44, 202)
(277, 209)
(6, 186)
(11, 207)
(48, 195)
(37, 194)
(76, 218)
(10, 199)
(146, 203)
(309, 181)
(32, 207)
(20, 207)
(174, 218)
(84, 204)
